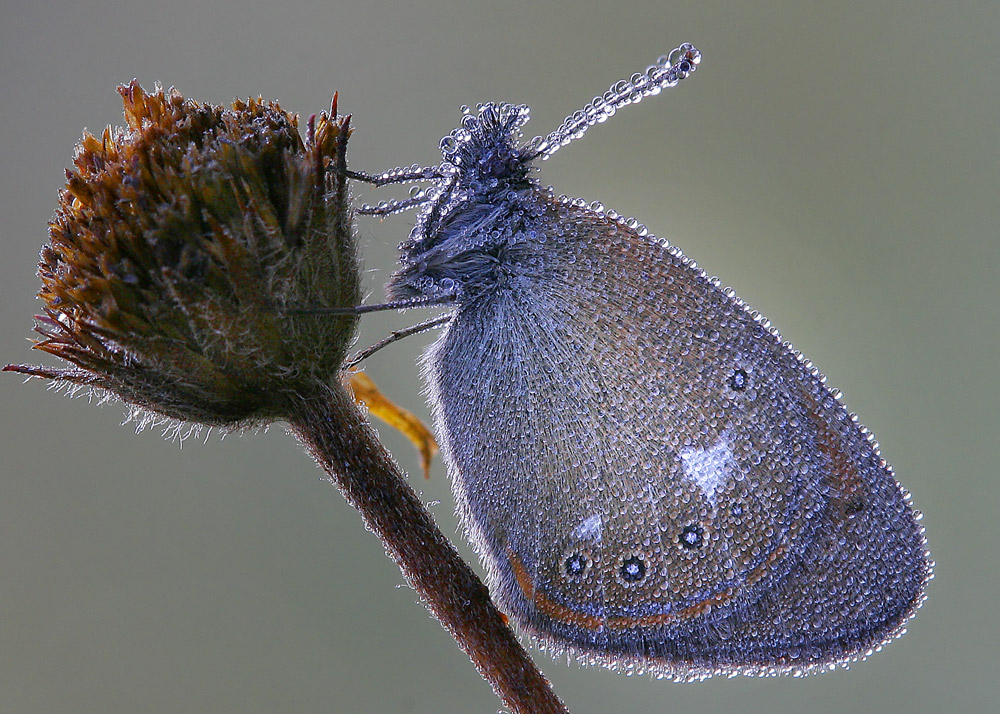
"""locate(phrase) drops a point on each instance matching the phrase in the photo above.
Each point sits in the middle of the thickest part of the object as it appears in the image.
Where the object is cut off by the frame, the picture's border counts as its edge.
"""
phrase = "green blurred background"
(837, 163)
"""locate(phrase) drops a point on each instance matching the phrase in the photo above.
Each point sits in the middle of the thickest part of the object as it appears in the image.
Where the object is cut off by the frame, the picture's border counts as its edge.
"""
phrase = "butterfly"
(653, 480)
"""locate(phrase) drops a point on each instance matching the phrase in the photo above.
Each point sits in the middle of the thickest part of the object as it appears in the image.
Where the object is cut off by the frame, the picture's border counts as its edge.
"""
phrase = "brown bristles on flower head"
(177, 244)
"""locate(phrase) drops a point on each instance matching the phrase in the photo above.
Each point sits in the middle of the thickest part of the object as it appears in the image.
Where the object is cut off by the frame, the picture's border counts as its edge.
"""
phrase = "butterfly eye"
(692, 536)
(633, 569)
(739, 380)
(576, 565)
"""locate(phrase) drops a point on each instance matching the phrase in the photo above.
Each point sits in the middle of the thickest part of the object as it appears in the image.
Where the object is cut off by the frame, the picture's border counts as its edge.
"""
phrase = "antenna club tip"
(683, 60)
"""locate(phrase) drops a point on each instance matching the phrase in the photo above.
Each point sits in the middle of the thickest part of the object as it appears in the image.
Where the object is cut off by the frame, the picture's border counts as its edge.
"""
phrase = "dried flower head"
(177, 243)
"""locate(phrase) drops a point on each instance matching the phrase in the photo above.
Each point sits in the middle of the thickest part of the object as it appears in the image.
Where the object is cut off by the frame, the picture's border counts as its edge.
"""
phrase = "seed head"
(178, 243)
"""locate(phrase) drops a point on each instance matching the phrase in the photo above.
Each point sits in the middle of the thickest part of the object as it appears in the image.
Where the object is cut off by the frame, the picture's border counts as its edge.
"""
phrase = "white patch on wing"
(589, 529)
(708, 467)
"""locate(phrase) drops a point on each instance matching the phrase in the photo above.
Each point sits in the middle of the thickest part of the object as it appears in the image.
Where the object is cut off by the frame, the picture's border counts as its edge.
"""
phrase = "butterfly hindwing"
(668, 497)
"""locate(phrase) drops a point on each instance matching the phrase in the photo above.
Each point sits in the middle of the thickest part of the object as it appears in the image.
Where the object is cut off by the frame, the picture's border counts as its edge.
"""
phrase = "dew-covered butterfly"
(653, 479)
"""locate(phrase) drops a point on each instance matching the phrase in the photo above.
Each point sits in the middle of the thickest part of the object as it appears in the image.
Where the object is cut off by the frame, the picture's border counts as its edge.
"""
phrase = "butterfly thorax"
(481, 212)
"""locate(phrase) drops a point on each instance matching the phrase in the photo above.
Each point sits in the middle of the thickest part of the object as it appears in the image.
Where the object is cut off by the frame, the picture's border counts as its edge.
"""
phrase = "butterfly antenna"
(668, 71)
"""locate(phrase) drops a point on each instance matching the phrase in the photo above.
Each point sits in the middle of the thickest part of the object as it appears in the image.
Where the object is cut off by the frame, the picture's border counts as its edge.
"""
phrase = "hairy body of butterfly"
(651, 477)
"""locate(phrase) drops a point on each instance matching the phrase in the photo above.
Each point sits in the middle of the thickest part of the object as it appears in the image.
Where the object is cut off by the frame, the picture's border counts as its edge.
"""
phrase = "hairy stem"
(336, 434)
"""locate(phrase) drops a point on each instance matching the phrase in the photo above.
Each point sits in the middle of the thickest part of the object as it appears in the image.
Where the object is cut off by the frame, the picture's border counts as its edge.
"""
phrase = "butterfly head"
(477, 219)
(479, 201)
(483, 153)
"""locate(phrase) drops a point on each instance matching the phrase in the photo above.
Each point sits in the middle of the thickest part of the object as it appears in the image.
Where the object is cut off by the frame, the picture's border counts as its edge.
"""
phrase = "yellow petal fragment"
(406, 422)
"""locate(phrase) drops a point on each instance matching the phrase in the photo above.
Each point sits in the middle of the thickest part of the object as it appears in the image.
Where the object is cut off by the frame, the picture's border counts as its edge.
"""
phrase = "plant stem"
(336, 434)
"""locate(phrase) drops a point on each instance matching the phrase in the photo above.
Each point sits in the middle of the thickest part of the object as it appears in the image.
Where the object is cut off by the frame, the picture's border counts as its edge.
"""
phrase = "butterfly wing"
(651, 477)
